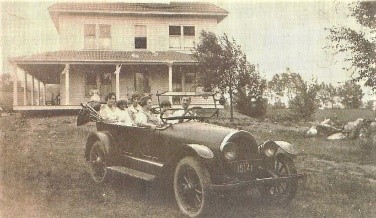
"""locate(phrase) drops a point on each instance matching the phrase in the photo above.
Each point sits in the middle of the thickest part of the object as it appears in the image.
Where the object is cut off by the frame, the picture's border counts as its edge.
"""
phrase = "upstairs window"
(104, 36)
(182, 37)
(97, 36)
(89, 36)
(140, 39)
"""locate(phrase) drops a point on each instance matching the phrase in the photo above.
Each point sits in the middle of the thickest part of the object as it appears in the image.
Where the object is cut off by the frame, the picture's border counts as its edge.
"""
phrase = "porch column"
(32, 90)
(67, 94)
(38, 102)
(25, 89)
(15, 84)
(117, 72)
(44, 94)
(170, 80)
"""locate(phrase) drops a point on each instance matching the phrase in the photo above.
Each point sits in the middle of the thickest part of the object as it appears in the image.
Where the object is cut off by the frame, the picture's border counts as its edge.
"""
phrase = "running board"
(133, 173)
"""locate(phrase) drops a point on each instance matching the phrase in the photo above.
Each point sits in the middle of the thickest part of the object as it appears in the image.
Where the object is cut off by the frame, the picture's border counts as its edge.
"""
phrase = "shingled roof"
(173, 8)
(98, 56)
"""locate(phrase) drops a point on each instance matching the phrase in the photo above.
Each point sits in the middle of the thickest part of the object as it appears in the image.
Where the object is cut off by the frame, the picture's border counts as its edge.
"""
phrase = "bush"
(251, 106)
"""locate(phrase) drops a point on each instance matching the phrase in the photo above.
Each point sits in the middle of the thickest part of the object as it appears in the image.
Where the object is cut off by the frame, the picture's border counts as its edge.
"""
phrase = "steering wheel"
(188, 111)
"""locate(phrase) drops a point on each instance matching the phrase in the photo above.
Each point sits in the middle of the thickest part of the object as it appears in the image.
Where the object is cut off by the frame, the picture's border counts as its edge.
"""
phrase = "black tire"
(191, 187)
(281, 193)
(97, 163)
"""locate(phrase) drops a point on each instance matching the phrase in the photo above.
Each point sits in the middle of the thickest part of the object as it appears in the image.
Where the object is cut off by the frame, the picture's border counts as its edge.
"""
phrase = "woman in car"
(109, 112)
(145, 118)
(135, 107)
(124, 117)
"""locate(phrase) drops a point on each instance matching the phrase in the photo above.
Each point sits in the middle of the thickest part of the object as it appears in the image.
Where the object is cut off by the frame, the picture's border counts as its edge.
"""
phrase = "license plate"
(243, 167)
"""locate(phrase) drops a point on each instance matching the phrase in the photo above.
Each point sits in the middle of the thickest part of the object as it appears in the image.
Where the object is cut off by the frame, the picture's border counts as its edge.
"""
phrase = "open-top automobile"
(199, 159)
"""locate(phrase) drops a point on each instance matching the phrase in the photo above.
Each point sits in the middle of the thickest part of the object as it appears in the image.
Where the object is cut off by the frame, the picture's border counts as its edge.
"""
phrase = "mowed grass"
(342, 115)
(341, 178)
(44, 174)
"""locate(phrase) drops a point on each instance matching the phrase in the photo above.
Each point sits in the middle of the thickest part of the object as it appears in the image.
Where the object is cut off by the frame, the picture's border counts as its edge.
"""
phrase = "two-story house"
(120, 47)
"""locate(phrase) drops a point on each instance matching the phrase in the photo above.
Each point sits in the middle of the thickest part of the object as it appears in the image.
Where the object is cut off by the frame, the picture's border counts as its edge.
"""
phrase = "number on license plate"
(243, 167)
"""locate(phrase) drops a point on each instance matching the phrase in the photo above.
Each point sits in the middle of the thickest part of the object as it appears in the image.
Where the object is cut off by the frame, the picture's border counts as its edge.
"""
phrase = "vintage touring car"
(199, 159)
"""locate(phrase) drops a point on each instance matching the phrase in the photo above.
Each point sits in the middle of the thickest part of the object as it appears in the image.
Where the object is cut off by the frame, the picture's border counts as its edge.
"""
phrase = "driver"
(145, 117)
(184, 110)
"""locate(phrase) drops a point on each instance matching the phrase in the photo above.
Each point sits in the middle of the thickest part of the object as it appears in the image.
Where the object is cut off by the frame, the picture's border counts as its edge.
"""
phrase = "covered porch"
(74, 74)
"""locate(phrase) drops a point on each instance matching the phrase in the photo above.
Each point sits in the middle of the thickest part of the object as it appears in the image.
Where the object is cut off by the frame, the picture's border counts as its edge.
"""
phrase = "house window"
(140, 39)
(182, 37)
(97, 36)
(90, 83)
(89, 36)
(189, 37)
(104, 36)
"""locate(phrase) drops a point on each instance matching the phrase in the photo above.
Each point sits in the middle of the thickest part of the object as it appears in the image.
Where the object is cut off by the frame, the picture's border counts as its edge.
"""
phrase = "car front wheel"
(191, 187)
(283, 192)
(97, 163)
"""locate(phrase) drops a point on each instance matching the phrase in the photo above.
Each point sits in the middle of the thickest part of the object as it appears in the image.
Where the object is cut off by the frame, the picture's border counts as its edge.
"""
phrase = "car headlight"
(270, 151)
(229, 151)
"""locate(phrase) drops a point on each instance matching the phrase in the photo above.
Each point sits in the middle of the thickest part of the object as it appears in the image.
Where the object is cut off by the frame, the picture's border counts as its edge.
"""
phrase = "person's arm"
(142, 121)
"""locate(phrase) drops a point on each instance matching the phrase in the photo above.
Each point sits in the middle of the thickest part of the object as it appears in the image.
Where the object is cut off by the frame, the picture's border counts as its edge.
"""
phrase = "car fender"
(202, 150)
(103, 136)
(283, 147)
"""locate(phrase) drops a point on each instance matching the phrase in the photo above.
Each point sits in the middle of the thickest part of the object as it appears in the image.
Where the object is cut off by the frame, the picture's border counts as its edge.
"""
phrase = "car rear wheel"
(191, 187)
(97, 163)
(283, 192)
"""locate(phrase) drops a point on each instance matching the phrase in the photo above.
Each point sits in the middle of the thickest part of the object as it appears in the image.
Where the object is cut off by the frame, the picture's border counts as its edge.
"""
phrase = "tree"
(304, 104)
(360, 45)
(326, 94)
(351, 94)
(249, 99)
(222, 64)
(286, 84)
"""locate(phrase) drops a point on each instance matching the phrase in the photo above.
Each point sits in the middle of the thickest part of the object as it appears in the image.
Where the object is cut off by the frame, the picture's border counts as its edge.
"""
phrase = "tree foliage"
(351, 94)
(361, 45)
(326, 94)
(304, 104)
(285, 84)
(223, 65)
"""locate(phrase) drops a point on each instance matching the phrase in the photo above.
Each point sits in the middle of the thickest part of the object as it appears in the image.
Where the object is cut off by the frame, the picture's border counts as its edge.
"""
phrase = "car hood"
(198, 133)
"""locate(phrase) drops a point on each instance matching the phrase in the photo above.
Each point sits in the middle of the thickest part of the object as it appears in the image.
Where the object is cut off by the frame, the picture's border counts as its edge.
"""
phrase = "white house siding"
(122, 30)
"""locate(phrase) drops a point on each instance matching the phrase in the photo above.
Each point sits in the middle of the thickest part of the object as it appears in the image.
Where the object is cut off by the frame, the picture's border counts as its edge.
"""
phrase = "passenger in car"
(109, 112)
(166, 108)
(135, 107)
(124, 117)
(145, 118)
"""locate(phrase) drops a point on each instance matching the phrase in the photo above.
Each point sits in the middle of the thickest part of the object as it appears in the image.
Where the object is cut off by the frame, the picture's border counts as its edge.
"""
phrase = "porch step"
(131, 172)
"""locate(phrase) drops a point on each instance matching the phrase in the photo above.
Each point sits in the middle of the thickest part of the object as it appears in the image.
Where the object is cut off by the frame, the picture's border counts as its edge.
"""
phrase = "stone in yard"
(312, 131)
(336, 136)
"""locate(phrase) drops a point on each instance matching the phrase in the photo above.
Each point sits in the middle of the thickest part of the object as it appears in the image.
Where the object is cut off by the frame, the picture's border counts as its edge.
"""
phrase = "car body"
(197, 158)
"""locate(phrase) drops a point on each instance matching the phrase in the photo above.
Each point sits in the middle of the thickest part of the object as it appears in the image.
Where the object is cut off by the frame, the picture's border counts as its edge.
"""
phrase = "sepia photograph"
(187, 108)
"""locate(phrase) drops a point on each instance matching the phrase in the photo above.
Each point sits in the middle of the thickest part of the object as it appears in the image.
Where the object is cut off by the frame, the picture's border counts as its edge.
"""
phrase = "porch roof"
(104, 56)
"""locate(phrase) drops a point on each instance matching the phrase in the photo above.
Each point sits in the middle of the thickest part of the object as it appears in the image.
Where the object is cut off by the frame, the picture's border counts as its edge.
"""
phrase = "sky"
(276, 35)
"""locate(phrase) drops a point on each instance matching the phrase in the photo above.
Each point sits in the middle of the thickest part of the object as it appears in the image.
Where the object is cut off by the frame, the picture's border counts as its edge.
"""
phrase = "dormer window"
(182, 37)
(140, 39)
(97, 36)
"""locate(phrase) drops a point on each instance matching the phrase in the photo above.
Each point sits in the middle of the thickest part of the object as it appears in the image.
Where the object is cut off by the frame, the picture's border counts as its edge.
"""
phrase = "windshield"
(182, 115)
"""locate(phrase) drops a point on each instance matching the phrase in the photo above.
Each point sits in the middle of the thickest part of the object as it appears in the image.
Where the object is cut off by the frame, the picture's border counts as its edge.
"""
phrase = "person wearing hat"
(123, 113)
